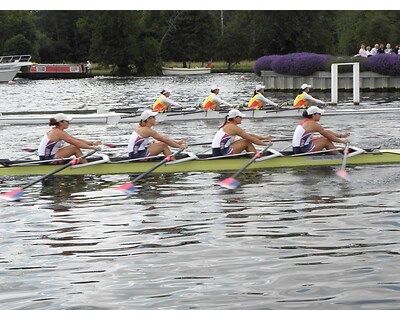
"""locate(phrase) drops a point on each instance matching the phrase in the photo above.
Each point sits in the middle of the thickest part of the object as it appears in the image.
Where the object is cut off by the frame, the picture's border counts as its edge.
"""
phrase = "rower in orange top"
(304, 99)
(51, 144)
(213, 102)
(303, 137)
(164, 103)
(259, 101)
(225, 142)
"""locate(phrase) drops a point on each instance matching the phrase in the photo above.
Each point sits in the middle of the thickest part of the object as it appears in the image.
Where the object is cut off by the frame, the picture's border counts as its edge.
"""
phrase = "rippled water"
(286, 239)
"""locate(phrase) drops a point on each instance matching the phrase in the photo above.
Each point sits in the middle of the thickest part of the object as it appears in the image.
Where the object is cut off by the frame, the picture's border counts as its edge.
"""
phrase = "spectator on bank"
(395, 50)
(381, 48)
(88, 67)
(388, 48)
(368, 49)
(375, 49)
(362, 52)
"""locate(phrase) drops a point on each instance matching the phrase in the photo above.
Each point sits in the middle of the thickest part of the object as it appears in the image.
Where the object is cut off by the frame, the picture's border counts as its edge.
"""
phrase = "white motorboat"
(184, 71)
(11, 65)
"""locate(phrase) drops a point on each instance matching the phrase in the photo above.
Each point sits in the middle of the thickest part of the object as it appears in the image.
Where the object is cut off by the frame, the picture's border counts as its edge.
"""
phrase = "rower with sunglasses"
(225, 142)
(51, 144)
(140, 143)
(304, 140)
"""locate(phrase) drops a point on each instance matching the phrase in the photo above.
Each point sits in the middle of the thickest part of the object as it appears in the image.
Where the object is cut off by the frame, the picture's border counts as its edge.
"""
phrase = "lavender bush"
(264, 63)
(300, 64)
(386, 64)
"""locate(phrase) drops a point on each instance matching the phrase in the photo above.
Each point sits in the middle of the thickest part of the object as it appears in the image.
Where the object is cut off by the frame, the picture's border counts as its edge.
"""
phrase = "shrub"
(300, 64)
(264, 63)
(386, 64)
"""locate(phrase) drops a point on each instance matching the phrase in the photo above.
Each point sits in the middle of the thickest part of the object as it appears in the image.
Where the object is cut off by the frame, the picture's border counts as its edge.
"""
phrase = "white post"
(356, 81)
(334, 83)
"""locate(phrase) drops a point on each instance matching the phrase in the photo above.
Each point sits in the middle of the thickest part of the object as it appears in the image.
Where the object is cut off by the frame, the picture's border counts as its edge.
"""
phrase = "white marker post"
(356, 81)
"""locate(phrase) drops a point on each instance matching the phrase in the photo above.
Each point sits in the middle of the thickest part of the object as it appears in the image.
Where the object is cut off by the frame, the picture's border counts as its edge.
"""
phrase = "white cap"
(305, 86)
(259, 87)
(147, 113)
(314, 110)
(214, 88)
(62, 117)
(235, 113)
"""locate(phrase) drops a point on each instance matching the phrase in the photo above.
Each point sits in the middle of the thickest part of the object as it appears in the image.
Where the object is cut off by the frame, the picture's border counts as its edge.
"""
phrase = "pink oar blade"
(13, 195)
(127, 188)
(229, 183)
(344, 175)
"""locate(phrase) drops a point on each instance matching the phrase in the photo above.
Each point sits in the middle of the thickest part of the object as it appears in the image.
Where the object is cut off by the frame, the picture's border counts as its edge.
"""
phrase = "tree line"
(138, 42)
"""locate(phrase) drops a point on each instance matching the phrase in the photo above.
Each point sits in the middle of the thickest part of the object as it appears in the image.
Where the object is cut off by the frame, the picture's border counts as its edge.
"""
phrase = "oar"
(17, 193)
(231, 182)
(129, 187)
(342, 172)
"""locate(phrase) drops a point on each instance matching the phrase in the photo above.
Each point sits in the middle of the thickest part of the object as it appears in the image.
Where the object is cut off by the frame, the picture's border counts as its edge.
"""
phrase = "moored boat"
(53, 71)
(184, 71)
(11, 65)
(204, 163)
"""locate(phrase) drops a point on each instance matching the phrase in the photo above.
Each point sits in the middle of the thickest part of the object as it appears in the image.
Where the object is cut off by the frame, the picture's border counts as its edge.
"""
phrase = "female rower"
(213, 102)
(258, 101)
(304, 100)
(164, 103)
(303, 137)
(50, 146)
(224, 142)
(140, 145)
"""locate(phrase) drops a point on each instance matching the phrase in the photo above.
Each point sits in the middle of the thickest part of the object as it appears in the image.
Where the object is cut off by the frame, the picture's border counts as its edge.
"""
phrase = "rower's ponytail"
(53, 122)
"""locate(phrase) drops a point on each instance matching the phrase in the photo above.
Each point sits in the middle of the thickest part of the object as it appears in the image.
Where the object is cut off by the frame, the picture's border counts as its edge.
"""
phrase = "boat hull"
(184, 71)
(208, 165)
(255, 114)
(11, 65)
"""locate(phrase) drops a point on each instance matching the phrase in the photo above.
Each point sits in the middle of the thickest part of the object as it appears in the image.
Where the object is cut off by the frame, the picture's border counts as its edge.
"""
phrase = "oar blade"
(13, 195)
(229, 183)
(344, 175)
(127, 188)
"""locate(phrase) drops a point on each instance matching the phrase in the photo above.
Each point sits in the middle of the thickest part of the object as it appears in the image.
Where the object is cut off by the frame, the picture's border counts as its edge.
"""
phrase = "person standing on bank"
(164, 103)
(259, 101)
(213, 102)
(88, 67)
(304, 99)
(51, 144)
(303, 137)
(225, 142)
(140, 144)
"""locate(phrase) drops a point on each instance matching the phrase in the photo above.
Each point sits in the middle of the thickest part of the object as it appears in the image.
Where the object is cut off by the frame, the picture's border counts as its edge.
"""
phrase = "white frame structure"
(356, 81)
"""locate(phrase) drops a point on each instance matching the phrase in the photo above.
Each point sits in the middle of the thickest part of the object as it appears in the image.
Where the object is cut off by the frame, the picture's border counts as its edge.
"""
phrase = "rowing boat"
(30, 119)
(195, 114)
(205, 163)
(184, 71)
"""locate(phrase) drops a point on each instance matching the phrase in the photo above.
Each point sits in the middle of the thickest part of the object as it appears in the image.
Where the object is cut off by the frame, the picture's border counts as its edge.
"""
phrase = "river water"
(286, 239)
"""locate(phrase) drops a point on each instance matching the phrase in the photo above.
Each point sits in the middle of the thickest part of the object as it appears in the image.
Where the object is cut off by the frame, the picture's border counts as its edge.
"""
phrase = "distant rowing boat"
(184, 71)
(90, 116)
(195, 114)
(205, 163)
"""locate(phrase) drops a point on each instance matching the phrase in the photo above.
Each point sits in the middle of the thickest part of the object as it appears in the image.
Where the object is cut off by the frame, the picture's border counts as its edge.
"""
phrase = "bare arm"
(172, 143)
(333, 136)
(248, 136)
(62, 135)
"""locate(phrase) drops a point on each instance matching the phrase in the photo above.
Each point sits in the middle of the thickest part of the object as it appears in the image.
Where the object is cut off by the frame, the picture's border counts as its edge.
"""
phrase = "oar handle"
(166, 159)
(70, 163)
(254, 158)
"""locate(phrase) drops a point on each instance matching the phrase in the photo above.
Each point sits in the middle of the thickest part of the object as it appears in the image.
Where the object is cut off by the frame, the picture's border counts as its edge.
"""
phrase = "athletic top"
(137, 143)
(162, 103)
(222, 140)
(47, 147)
(301, 137)
(213, 101)
(259, 102)
(302, 98)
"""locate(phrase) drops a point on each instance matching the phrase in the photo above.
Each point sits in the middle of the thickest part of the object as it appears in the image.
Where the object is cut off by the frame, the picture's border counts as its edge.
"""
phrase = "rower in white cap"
(304, 99)
(213, 102)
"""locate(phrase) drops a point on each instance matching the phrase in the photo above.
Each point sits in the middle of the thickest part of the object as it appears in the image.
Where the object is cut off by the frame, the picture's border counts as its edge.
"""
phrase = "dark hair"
(306, 115)
(255, 92)
(53, 122)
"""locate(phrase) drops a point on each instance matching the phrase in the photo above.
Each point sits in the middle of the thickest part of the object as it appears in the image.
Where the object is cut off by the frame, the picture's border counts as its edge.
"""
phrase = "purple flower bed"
(386, 64)
(264, 63)
(300, 64)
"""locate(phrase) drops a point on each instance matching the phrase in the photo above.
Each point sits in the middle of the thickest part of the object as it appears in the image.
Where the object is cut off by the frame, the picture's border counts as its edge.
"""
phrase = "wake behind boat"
(204, 163)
